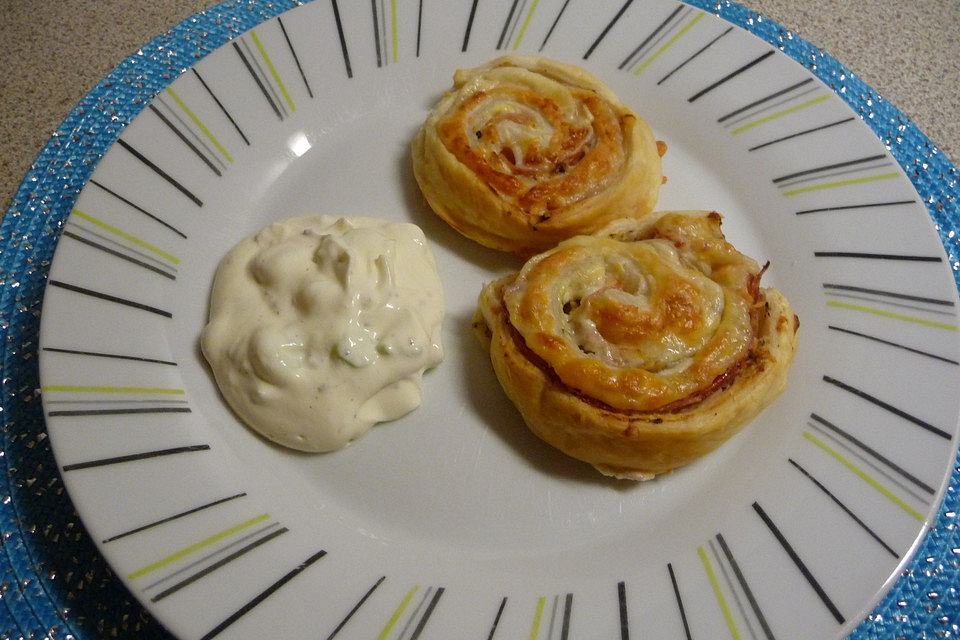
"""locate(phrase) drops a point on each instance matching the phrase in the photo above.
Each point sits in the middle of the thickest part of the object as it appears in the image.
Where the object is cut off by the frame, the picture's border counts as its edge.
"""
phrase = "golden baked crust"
(525, 152)
(642, 347)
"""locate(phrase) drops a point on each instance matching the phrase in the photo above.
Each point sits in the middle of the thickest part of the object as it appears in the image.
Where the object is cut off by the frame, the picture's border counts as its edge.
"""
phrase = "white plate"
(455, 522)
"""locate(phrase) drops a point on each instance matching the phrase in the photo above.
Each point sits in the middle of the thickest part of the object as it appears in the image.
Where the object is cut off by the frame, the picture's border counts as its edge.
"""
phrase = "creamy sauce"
(321, 327)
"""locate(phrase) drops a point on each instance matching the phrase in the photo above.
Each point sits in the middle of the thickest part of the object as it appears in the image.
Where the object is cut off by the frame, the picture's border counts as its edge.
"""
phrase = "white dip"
(321, 327)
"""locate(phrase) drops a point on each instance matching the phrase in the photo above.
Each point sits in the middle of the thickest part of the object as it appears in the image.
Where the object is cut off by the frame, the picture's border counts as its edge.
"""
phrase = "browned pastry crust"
(525, 152)
(641, 348)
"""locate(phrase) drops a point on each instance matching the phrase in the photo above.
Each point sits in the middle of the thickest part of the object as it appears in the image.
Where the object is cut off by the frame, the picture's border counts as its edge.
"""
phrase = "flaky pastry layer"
(677, 349)
(524, 152)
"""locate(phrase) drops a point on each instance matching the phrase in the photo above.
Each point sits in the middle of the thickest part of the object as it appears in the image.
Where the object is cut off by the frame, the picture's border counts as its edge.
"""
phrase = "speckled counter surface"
(53, 53)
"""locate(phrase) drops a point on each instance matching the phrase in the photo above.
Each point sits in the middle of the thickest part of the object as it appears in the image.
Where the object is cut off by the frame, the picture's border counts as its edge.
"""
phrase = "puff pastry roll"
(642, 347)
(524, 152)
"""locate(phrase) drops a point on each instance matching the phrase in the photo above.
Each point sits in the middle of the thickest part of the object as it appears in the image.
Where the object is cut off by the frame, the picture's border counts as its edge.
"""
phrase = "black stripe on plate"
(676, 594)
(376, 32)
(553, 25)
(888, 294)
(160, 172)
(269, 591)
(296, 58)
(256, 78)
(140, 401)
(650, 37)
(138, 208)
(119, 254)
(426, 614)
(676, 26)
(110, 298)
(356, 607)
(217, 565)
(506, 24)
(893, 344)
(261, 72)
(567, 609)
(175, 516)
(873, 452)
(827, 167)
(117, 412)
(622, 602)
(92, 235)
(99, 354)
(773, 95)
(606, 29)
(880, 164)
(383, 32)
(415, 615)
(343, 39)
(788, 548)
(183, 138)
(419, 25)
(106, 241)
(466, 33)
(802, 133)
(863, 525)
(692, 56)
(730, 76)
(209, 556)
(223, 109)
(875, 256)
(865, 459)
(135, 457)
(738, 573)
(848, 207)
(887, 407)
(496, 619)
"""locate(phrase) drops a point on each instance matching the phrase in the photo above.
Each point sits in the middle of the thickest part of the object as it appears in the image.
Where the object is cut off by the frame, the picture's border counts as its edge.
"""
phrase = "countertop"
(53, 53)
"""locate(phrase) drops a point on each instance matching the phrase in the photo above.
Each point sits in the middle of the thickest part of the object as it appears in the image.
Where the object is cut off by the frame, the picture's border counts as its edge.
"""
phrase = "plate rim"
(764, 28)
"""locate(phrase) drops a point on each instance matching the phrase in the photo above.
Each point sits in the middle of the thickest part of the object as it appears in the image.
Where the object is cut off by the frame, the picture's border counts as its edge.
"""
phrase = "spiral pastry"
(525, 152)
(642, 347)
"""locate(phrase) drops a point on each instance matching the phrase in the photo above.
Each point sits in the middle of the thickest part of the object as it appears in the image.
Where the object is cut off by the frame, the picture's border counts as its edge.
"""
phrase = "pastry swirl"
(525, 152)
(642, 347)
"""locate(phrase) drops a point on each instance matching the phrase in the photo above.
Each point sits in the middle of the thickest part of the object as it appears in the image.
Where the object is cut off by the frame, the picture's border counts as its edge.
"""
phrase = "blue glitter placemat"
(53, 582)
